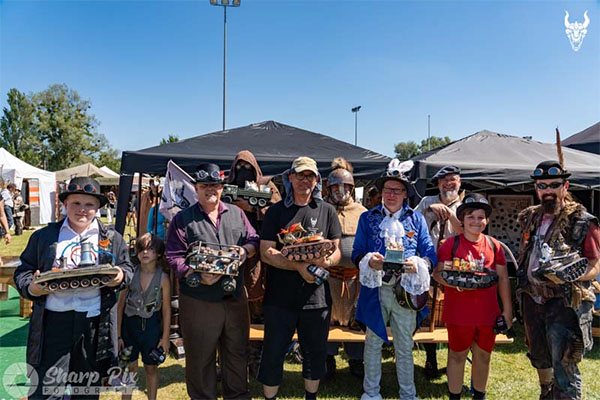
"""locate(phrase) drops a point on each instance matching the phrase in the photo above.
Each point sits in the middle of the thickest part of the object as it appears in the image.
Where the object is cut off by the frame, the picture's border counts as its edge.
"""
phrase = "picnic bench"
(345, 334)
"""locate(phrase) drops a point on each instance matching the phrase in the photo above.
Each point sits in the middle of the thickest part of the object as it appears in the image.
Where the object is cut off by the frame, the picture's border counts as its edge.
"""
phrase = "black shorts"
(143, 339)
(280, 325)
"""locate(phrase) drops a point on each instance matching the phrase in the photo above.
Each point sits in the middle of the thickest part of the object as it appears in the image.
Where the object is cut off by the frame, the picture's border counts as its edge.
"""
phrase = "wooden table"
(7, 272)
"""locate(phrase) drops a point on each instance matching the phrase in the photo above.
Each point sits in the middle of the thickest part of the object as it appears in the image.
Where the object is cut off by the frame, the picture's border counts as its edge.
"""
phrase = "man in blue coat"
(393, 223)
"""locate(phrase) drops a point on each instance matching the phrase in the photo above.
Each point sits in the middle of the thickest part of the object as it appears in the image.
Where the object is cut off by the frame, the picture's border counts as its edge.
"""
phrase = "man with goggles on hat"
(440, 214)
(557, 314)
(294, 299)
(73, 332)
(211, 317)
(391, 223)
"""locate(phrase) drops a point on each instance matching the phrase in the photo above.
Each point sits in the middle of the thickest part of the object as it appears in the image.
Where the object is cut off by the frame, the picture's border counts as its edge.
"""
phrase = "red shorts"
(460, 338)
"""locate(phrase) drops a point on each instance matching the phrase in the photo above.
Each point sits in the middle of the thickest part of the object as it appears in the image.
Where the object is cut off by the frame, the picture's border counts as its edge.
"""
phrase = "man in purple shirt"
(212, 317)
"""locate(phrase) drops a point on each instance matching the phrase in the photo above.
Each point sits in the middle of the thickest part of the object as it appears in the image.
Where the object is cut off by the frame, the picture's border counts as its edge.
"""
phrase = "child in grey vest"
(145, 311)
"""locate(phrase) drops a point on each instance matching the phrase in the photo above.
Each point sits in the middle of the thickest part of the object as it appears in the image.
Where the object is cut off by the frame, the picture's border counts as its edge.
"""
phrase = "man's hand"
(302, 269)
(209, 279)
(324, 262)
(508, 317)
(116, 281)
(7, 238)
(376, 262)
(441, 211)
(410, 266)
(121, 345)
(36, 289)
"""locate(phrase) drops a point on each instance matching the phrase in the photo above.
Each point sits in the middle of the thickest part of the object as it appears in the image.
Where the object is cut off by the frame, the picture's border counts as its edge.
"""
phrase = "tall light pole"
(428, 132)
(225, 4)
(355, 110)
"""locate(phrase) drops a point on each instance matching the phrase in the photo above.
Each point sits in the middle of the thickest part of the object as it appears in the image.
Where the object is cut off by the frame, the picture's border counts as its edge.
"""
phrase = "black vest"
(232, 230)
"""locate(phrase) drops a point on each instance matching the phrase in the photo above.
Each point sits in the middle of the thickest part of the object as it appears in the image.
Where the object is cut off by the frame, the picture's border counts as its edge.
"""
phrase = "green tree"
(17, 128)
(69, 130)
(169, 139)
(406, 150)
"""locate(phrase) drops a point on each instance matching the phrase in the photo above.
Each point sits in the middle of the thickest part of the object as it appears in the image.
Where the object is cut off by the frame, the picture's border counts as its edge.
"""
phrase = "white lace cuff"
(368, 276)
(417, 283)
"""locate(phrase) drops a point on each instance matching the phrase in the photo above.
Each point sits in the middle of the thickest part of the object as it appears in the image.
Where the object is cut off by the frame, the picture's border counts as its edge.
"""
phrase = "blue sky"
(153, 68)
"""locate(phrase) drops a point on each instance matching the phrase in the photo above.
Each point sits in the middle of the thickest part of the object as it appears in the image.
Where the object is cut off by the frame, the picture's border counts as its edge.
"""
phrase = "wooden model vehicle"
(300, 245)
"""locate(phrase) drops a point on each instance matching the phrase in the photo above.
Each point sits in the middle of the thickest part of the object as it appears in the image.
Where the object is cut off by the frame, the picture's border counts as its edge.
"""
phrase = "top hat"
(84, 185)
(549, 170)
(208, 173)
(395, 171)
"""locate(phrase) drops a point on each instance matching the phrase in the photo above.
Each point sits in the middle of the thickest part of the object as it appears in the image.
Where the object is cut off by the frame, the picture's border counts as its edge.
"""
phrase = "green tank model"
(255, 195)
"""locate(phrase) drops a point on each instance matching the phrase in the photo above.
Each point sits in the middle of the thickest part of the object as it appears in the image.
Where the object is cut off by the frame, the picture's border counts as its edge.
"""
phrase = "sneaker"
(357, 368)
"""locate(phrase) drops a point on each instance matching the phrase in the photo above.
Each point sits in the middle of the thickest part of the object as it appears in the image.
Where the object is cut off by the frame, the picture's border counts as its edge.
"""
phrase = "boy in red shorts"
(470, 314)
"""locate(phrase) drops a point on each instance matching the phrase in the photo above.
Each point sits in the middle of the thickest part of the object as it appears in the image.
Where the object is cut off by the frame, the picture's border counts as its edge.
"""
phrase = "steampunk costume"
(73, 332)
(557, 317)
(343, 278)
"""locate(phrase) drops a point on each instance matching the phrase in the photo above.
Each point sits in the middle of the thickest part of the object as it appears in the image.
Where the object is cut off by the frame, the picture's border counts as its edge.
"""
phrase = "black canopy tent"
(586, 140)
(489, 159)
(273, 144)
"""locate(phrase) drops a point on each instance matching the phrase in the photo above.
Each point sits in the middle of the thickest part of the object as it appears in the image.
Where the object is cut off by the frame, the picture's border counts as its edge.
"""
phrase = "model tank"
(86, 275)
(254, 194)
(565, 264)
(300, 245)
(216, 259)
(468, 274)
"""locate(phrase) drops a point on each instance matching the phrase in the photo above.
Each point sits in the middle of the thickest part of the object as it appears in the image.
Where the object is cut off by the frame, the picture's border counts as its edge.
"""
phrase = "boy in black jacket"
(73, 334)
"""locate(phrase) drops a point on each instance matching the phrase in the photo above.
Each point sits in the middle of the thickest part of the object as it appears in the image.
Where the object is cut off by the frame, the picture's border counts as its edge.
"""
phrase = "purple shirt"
(177, 244)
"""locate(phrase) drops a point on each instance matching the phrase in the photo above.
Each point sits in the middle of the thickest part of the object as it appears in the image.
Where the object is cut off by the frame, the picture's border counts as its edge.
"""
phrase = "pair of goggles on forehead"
(202, 174)
(89, 188)
(472, 200)
(552, 171)
(394, 172)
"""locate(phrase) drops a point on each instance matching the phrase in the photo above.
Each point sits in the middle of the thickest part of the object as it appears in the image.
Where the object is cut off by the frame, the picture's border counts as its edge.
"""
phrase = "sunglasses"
(245, 166)
(551, 171)
(473, 200)
(397, 192)
(307, 177)
(89, 188)
(553, 185)
(202, 174)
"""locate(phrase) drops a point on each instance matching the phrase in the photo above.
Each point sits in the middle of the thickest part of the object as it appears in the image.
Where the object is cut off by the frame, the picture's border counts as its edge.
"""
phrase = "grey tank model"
(255, 195)
(86, 275)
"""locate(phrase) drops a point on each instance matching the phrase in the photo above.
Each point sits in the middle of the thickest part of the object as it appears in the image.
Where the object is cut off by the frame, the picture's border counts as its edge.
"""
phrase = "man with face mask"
(245, 168)
(440, 214)
(557, 314)
(343, 278)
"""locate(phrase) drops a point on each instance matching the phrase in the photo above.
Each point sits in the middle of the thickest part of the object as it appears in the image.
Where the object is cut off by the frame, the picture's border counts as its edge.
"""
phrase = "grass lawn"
(512, 377)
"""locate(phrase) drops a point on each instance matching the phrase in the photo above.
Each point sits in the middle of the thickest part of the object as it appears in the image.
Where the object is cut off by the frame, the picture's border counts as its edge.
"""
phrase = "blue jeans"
(9, 216)
(403, 323)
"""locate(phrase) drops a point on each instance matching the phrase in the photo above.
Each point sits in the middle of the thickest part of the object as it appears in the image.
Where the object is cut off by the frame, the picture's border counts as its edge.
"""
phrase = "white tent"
(15, 170)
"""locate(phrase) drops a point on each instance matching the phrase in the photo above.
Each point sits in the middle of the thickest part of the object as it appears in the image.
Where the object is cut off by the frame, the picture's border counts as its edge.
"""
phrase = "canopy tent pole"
(125, 184)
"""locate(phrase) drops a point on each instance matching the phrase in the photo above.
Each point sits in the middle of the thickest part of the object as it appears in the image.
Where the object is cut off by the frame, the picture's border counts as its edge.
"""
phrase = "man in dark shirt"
(212, 318)
(293, 301)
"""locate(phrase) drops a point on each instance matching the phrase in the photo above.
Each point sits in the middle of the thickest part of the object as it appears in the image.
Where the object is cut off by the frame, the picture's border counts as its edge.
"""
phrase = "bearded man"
(440, 214)
(557, 313)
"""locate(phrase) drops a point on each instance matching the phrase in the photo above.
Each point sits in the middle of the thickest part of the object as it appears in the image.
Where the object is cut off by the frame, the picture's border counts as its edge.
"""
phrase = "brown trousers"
(206, 327)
